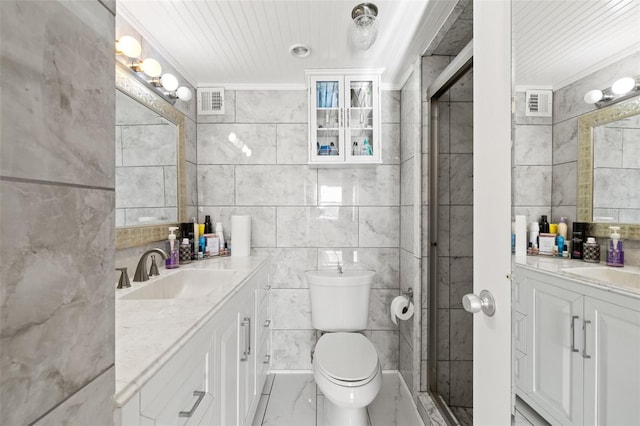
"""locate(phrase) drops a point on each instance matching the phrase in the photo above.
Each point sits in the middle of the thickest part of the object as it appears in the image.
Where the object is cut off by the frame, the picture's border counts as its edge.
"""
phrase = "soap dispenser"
(615, 254)
(172, 249)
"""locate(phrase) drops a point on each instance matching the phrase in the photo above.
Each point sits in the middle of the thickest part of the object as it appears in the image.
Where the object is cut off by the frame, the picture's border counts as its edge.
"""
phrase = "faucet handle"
(153, 271)
(123, 282)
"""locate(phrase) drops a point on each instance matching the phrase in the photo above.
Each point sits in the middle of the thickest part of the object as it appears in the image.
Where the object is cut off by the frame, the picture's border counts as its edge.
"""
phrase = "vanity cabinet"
(216, 378)
(344, 117)
(577, 351)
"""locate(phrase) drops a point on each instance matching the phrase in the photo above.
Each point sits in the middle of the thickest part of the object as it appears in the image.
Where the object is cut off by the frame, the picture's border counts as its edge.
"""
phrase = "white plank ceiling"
(557, 42)
(246, 42)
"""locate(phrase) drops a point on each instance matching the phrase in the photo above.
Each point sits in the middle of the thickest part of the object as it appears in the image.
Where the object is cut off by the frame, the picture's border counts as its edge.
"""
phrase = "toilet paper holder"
(409, 294)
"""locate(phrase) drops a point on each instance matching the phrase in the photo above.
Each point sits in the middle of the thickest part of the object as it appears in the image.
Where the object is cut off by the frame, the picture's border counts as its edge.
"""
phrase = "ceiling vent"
(211, 100)
(539, 103)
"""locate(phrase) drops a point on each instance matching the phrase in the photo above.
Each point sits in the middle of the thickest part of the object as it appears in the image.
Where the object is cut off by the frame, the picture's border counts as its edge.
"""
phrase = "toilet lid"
(346, 356)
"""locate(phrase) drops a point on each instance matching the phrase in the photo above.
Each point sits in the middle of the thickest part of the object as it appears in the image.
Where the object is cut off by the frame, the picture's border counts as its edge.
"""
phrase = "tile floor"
(294, 400)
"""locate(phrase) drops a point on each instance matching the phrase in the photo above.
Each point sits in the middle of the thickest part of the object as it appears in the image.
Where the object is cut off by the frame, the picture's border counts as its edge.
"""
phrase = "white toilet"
(345, 363)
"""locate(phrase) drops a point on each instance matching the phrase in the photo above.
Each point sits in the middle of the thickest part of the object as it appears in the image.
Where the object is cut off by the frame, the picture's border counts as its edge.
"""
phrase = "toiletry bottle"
(220, 234)
(553, 228)
(196, 238)
(615, 254)
(579, 231)
(591, 251)
(533, 233)
(560, 244)
(366, 147)
(185, 251)
(208, 227)
(544, 225)
(355, 150)
(172, 250)
(201, 246)
(562, 227)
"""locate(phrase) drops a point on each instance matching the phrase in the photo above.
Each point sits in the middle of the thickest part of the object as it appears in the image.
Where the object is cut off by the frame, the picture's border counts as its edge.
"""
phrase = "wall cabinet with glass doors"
(344, 117)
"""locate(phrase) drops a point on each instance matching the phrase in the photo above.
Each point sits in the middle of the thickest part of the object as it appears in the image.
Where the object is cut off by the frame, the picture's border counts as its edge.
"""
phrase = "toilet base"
(342, 416)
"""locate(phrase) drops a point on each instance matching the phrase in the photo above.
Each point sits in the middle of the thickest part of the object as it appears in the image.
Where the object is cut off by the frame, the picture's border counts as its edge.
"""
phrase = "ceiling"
(558, 42)
(246, 43)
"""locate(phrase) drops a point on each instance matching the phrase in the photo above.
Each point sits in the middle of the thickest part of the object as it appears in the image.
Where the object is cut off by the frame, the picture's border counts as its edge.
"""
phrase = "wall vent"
(539, 103)
(210, 100)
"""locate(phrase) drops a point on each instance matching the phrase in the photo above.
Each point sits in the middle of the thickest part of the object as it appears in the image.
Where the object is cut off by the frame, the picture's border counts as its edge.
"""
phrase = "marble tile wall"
(306, 218)
(410, 224)
(57, 181)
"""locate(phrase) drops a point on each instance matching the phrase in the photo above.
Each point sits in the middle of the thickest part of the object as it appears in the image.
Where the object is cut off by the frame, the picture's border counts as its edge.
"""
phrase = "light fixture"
(299, 51)
(128, 46)
(365, 25)
(149, 66)
(621, 89)
(169, 82)
(184, 93)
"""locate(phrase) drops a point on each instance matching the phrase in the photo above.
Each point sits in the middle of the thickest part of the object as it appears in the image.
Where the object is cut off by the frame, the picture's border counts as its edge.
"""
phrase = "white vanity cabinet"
(216, 377)
(577, 350)
(344, 117)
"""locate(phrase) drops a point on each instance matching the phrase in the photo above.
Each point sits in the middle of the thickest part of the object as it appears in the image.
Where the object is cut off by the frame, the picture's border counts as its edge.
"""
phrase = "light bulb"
(169, 82)
(623, 85)
(184, 93)
(128, 46)
(151, 67)
(593, 96)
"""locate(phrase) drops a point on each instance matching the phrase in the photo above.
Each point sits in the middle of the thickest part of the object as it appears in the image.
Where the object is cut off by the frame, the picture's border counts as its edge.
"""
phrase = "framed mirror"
(609, 169)
(150, 170)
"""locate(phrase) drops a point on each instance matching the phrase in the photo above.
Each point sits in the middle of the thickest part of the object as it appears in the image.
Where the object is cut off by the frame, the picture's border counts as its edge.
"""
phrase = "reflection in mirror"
(608, 167)
(150, 175)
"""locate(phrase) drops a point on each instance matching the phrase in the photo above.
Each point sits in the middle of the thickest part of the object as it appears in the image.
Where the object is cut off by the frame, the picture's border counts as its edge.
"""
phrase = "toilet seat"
(347, 359)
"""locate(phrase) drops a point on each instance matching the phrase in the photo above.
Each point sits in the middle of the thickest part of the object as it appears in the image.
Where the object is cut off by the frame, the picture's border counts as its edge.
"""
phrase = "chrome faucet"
(141, 270)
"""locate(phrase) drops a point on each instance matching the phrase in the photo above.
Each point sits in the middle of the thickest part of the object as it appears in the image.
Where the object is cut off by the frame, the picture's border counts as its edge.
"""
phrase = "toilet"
(346, 368)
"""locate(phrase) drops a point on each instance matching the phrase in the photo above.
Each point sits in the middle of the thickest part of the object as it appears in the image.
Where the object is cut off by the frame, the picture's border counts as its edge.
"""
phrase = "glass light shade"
(184, 93)
(623, 85)
(129, 46)
(593, 96)
(364, 31)
(169, 82)
(151, 67)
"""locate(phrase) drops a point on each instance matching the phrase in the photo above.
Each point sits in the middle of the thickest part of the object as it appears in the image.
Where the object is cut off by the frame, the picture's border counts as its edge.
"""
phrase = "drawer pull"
(584, 342)
(200, 395)
(267, 287)
(247, 339)
(267, 359)
(267, 323)
(573, 333)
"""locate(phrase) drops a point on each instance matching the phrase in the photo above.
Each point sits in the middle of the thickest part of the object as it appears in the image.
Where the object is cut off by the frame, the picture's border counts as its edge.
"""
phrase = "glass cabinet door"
(361, 120)
(327, 119)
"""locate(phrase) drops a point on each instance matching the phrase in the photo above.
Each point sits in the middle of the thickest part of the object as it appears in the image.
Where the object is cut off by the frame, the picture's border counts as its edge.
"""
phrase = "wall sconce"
(131, 48)
(365, 25)
(621, 89)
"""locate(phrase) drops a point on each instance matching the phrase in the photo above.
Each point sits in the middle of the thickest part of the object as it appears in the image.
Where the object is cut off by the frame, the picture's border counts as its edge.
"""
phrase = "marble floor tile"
(393, 405)
(292, 401)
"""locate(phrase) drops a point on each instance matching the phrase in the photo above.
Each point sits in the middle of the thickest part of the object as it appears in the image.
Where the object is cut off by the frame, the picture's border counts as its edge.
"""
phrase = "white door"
(492, 209)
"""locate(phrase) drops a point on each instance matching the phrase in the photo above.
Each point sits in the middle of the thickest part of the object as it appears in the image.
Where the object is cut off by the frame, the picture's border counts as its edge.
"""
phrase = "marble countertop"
(150, 332)
(559, 267)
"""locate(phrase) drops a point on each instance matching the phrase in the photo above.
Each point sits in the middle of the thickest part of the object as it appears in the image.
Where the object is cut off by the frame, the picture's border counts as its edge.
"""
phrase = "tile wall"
(410, 224)
(57, 229)
(545, 151)
(306, 217)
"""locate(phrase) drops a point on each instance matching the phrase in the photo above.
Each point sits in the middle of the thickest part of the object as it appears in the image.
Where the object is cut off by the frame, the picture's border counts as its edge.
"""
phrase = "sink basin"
(348, 277)
(182, 284)
(621, 277)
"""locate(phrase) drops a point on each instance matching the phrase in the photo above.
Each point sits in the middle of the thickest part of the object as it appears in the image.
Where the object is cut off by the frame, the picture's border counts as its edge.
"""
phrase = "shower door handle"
(474, 304)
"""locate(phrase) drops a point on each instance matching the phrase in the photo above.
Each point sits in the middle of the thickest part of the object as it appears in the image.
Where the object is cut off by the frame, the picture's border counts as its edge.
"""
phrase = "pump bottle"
(173, 250)
(615, 254)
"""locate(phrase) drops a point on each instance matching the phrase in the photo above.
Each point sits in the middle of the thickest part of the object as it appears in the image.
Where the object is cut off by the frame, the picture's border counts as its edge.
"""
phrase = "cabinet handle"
(247, 339)
(267, 358)
(200, 395)
(267, 323)
(584, 342)
(573, 333)
(245, 352)
(267, 287)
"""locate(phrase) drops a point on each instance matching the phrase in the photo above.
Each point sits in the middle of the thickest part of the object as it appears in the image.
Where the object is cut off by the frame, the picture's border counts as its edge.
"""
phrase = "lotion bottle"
(615, 254)
(562, 227)
(172, 261)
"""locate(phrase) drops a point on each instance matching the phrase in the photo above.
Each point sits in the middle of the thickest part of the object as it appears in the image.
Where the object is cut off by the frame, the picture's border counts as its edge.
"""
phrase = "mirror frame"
(586, 123)
(131, 85)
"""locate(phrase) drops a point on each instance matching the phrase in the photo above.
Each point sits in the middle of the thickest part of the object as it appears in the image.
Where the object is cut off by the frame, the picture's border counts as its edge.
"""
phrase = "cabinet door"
(612, 364)
(553, 321)
(363, 119)
(326, 119)
(229, 347)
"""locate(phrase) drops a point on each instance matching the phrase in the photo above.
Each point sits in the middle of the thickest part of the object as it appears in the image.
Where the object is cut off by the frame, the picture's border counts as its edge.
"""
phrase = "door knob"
(474, 304)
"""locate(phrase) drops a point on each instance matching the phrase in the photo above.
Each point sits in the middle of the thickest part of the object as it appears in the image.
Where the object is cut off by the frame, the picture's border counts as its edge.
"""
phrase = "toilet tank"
(340, 302)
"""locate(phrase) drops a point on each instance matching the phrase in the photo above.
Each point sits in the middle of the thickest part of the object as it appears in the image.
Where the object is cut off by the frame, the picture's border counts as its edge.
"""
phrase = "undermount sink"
(182, 284)
(333, 277)
(610, 275)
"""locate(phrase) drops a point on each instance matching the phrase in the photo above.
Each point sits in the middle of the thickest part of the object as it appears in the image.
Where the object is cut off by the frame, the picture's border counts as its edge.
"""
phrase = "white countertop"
(557, 266)
(150, 332)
